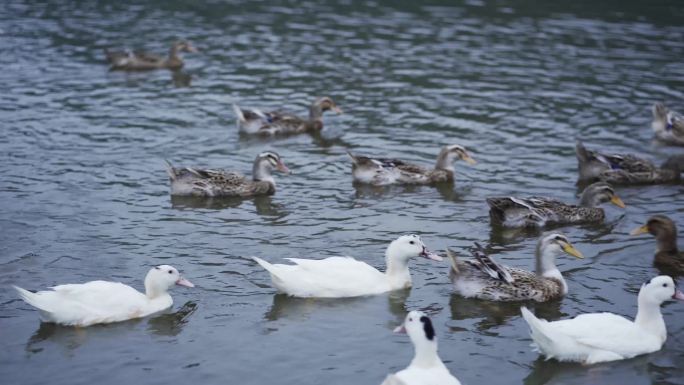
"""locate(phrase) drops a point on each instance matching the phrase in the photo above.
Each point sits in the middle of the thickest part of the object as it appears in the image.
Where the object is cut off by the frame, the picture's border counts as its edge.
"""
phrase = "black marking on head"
(157, 267)
(560, 238)
(427, 328)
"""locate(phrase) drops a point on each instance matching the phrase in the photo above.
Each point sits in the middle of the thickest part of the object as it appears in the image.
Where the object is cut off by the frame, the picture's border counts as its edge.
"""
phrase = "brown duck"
(667, 254)
(255, 121)
(141, 61)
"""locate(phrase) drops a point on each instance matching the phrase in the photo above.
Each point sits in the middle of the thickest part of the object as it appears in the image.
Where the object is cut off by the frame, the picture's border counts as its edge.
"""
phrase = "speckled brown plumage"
(142, 61)
(283, 123)
(667, 258)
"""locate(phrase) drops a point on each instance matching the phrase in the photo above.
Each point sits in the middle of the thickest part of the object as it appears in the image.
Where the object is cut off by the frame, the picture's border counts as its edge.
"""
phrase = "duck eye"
(410, 319)
(664, 285)
(412, 242)
(170, 271)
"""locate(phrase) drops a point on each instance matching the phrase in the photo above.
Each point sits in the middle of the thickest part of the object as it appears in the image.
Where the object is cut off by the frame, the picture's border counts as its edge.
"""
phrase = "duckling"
(221, 183)
(276, 122)
(541, 211)
(484, 278)
(621, 169)
(141, 61)
(667, 254)
(668, 125)
(380, 172)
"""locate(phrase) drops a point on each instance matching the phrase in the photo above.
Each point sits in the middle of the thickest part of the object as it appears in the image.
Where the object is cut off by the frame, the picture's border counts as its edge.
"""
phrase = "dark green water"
(83, 193)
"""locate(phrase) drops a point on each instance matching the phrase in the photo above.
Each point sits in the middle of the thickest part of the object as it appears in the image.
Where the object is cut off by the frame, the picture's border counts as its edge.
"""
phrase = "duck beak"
(191, 48)
(570, 249)
(401, 329)
(282, 167)
(639, 230)
(430, 255)
(337, 110)
(617, 201)
(469, 160)
(678, 295)
(184, 282)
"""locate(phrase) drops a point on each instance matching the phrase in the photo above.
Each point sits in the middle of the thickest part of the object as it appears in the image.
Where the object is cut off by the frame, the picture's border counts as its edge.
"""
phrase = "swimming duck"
(99, 302)
(140, 61)
(426, 368)
(255, 121)
(380, 172)
(338, 277)
(484, 278)
(602, 337)
(667, 254)
(620, 169)
(541, 211)
(189, 181)
(668, 125)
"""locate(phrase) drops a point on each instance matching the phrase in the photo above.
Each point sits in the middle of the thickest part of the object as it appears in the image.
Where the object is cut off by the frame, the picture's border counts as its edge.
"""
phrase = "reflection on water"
(492, 314)
(171, 324)
(264, 205)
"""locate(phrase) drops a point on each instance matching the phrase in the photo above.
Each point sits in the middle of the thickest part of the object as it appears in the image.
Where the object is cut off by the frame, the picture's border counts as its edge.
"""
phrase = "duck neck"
(397, 271)
(667, 240)
(425, 354)
(173, 53)
(546, 267)
(588, 199)
(649, 317)
(445, 161)
(315, 112)
(155, 291)
(262, 172)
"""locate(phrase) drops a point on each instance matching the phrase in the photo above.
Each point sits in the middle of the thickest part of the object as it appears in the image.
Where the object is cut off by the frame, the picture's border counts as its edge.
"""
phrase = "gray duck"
(188, 181)
(484, 278)
(542, 211)
(254, 121)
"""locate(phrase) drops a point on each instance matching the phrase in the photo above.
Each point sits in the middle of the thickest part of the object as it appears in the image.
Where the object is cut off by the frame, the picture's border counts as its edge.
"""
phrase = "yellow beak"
(469, 160)
(617, 202)
(570, 249)
(639, 230)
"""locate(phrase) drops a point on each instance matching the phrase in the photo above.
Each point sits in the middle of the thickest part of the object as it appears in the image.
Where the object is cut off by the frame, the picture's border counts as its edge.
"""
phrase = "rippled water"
(85, 196)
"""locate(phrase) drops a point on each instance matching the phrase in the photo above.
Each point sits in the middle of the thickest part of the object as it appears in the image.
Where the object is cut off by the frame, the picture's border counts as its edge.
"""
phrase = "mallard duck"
(621, 169)
(99, 302)
(667, 254)
(541, 211)
(380, 172)
(602, 337)
(484, 278)
(338, 277)
(189, 181)
(140, 61)
(426, 368)
(668, 125)
(276, 122)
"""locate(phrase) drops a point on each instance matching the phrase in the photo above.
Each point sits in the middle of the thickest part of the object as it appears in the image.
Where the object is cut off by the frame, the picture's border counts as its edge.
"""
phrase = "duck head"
(321, 105)
(183, 46)
(409, 246)
(658, 290)
(265, 163)
(419, 328)
(162, 278)
(551, 245)
(449, 154)
(598, 193)
(662, 228)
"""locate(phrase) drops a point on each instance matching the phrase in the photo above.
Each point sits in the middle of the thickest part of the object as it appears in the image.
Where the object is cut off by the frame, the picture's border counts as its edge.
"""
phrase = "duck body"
(381, 171)
(140, 61)
(254, 121)
(601, 337)
(621, 169)
(484, 278)
(188, 181)
(98, 302)
(339, 277)
(537, 212)
(667, 125)
(427, 367)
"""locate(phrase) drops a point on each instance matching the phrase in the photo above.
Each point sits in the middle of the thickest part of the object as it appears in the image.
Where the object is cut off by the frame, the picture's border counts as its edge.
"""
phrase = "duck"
(426, 368)
(188, 181)
(622, 169)
(484, 278)
(667, 254)
(667, 125)
(381, 172)
(342, 277)
(537, 212)
(254, 121)
(128, 60)
(101, 302)
(602, 337)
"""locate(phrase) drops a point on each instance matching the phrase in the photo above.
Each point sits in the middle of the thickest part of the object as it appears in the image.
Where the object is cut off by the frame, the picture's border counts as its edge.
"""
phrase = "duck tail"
(542, 341)
(239, 114)
(581, 152)
(659, 111)
(497, 208)
(32, 299)
(454, 261)
(170, 170)
(267, 266)
(354, 159)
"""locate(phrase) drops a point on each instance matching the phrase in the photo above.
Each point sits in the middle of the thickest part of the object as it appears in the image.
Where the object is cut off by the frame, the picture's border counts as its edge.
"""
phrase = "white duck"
(426, 368)
(99, 302)
(601, 337)
(338, 277)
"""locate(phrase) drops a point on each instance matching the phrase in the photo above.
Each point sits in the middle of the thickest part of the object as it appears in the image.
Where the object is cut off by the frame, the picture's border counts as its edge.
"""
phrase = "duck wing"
(489, 266)
(533, 211)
